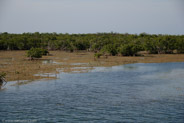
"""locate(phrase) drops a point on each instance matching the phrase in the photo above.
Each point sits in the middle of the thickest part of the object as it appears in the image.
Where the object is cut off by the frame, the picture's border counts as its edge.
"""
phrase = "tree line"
(105, 43)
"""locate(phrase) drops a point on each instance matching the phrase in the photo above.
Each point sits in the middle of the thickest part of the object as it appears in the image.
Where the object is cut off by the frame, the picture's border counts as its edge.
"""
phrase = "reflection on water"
(128, 93)
(171, 74)
(79, 64)
(50, 61)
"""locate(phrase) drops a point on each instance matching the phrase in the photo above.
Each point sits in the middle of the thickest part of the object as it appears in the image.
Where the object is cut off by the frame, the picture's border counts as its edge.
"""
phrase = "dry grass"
(17, 67)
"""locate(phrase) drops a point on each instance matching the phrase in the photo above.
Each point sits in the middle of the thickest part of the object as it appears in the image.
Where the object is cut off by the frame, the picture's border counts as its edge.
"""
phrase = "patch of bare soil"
(18, 67)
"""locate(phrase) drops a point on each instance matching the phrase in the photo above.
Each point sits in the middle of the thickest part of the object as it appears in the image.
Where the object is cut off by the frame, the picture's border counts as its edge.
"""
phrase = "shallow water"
(128, 93)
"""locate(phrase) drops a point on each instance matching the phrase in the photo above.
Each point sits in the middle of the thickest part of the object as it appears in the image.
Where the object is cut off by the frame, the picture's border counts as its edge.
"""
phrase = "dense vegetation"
(2, 76)
(36, 52)
(104, 43)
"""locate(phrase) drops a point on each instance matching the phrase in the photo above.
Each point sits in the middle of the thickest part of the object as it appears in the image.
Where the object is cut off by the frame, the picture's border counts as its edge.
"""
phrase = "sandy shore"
(17, 67)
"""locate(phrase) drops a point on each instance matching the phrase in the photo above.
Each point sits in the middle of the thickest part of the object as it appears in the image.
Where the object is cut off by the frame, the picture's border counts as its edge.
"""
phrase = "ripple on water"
(129, 93)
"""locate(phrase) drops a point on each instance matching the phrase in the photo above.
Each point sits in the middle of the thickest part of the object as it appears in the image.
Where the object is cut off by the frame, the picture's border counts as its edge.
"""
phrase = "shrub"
(44, 52)
(110, 49)
(2, 76)
(81, 45)
(129, 49)
(36, 53)
(97, 55)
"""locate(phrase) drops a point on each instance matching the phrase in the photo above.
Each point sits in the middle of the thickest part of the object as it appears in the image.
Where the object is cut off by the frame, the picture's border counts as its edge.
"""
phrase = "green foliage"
(180, 45)
(70, 47)
(97, 55)
(109, 49)
(35, 53)
(2, 76)
(107, 43)
(129, 49)
(81, 45)
(151, 46)
(44, 52)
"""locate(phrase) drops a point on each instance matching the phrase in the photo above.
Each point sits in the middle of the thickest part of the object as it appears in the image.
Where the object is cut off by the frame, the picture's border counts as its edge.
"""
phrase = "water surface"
(128, 93)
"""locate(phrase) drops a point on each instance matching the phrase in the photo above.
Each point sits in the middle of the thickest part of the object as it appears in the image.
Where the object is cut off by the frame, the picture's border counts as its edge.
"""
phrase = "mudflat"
(17, 66)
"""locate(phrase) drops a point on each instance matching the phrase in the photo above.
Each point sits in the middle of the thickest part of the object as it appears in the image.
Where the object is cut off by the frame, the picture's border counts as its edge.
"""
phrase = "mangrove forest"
(104, 43)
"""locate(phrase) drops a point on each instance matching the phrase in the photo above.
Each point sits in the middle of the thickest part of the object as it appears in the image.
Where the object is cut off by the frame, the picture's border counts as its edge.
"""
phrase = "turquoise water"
(128, 93)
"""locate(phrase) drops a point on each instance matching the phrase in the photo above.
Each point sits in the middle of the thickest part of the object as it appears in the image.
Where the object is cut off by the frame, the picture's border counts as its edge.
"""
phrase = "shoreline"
(16, 66)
